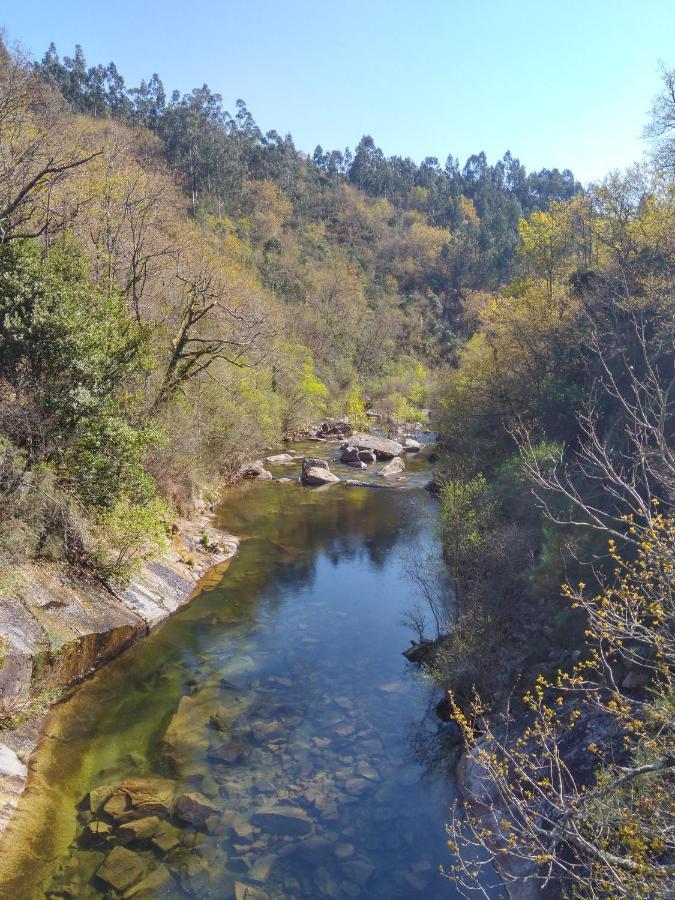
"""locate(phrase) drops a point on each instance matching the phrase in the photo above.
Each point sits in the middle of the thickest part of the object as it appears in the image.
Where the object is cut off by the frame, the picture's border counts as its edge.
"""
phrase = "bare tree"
(661, 129)
(38, 151)
(214, 322)
(623, 465)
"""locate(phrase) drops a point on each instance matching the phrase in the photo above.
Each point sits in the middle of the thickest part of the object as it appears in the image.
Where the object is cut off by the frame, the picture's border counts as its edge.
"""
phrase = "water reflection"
(269, 740)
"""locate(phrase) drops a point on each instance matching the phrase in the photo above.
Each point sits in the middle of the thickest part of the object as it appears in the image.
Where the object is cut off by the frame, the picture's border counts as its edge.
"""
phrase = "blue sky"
(565, 84)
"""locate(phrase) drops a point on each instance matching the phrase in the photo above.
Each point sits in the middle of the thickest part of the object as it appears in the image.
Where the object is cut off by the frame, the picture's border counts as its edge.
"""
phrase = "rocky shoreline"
(57, 628)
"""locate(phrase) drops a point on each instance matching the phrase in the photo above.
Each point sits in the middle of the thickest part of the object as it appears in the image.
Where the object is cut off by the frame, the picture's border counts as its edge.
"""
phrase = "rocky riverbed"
(269, 740)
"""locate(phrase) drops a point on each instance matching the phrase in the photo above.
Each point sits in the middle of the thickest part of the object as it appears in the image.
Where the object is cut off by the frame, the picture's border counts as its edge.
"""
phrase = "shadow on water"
(279, 703)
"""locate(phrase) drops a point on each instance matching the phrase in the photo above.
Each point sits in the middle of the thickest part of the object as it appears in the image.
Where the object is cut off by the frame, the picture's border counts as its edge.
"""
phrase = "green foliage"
(355, 408)
(128, 533)
(299, 392)
(467, 509)
(67, 352)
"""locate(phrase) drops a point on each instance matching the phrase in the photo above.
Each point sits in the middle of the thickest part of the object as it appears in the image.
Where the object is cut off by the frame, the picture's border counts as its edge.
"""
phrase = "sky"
(559, 83)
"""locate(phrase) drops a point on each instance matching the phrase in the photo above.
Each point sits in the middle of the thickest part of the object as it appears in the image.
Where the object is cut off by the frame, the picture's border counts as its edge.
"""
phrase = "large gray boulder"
(252, 470)
(314, 477)
(367, 456)
(314, 462)
(315, 472)
(280, 459)
(349, 454)
(382, 447)
(393, 467)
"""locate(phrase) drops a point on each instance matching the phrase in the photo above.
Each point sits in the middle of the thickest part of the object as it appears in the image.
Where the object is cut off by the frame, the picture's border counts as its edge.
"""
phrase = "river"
(279, 702)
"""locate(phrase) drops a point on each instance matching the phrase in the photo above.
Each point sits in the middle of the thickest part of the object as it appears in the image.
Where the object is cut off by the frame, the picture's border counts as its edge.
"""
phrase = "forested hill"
(180, 290)
(219, 154)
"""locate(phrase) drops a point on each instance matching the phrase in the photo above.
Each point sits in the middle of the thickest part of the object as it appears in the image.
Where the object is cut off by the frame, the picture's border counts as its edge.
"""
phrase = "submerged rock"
(186, 735)
(96, 832)
(121, 868)
(229, 753)
(153, 885)
(138, 830)
(195, 808)
(355, 482)
(248, 892)
(343, 851)
(100, 795)
(136, 798)
(287, 821)
(365, 770)
(358, 870)
(166, 839)
(261, 869)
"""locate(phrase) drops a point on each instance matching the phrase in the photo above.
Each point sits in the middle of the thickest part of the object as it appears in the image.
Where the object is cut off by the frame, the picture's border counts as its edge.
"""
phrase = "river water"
(279, 702)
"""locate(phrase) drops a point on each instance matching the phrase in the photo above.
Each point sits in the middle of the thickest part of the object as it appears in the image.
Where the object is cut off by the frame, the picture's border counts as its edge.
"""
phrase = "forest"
(180, 291)
(181, 267)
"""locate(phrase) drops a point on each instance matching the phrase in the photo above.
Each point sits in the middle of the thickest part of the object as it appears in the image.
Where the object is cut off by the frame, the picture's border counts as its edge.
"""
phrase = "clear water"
(293, 658)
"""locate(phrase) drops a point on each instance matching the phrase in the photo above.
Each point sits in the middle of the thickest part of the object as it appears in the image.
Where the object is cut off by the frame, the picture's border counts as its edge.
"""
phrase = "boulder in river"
(349, 454)
(333, 431)
(410, 445)
(252, 470)
(281, 459)
(383, 448)
(286, 821)
(367, 456)
(316, 472)
(314, 462)
(393, 467)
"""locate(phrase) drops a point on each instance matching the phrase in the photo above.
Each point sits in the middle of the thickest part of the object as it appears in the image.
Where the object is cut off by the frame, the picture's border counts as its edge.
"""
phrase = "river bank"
(58, 628)
(262, 655)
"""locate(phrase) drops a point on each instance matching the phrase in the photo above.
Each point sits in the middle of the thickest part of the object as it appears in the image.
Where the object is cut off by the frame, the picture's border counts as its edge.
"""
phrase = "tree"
(38, 151)
(661, 129)
(215, 319)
